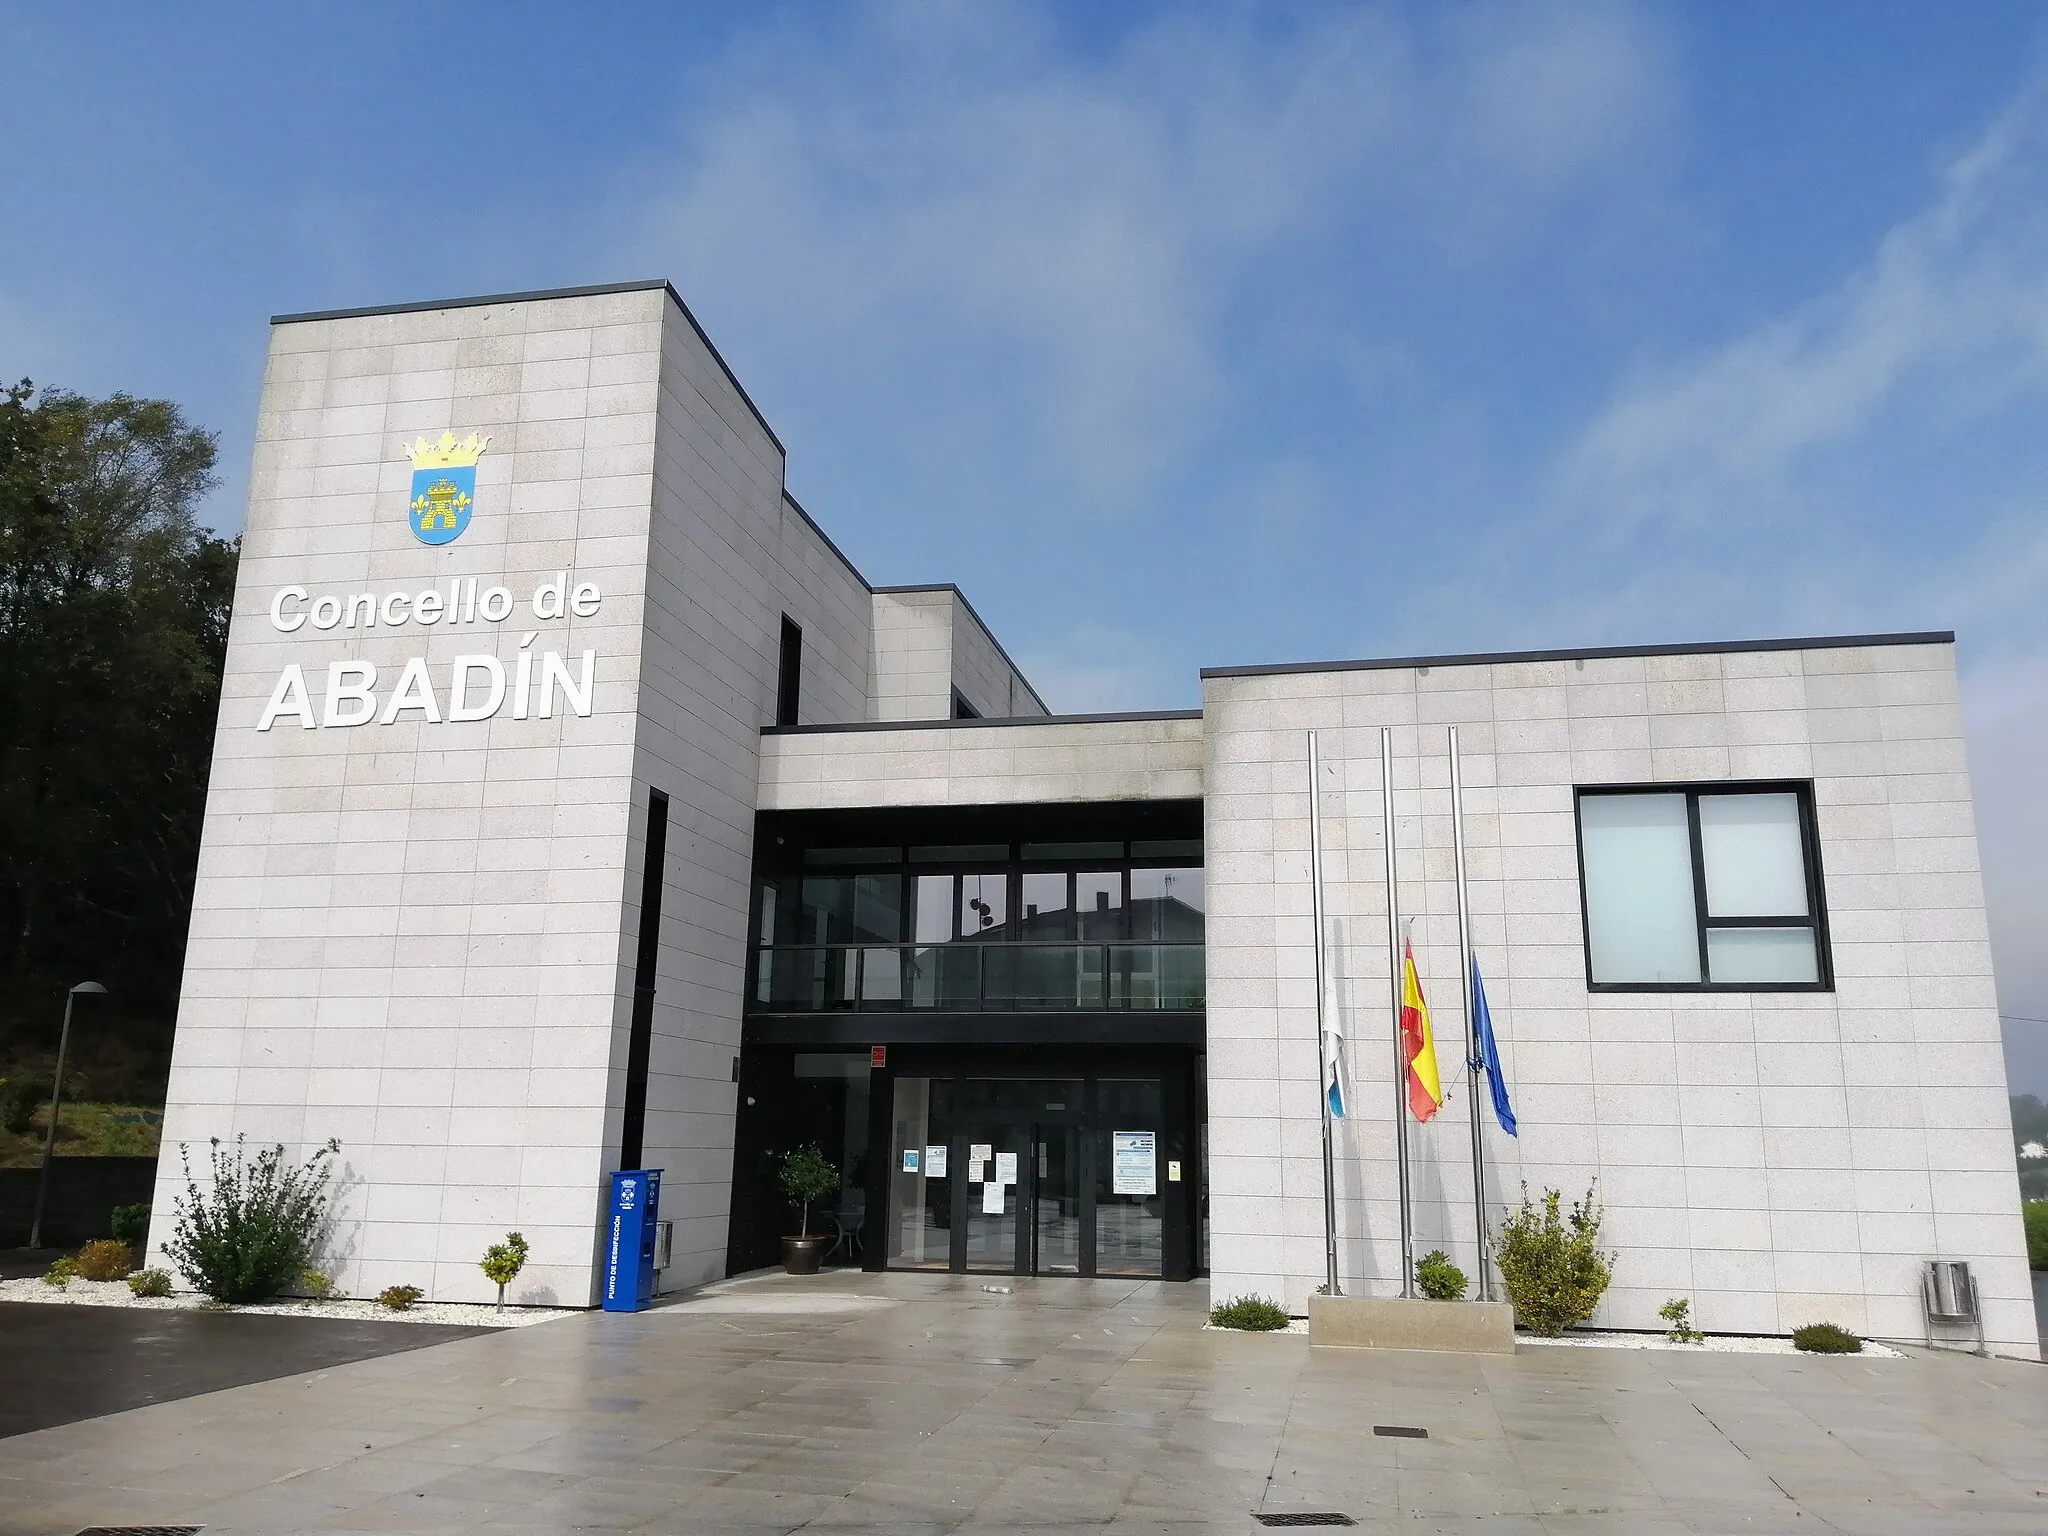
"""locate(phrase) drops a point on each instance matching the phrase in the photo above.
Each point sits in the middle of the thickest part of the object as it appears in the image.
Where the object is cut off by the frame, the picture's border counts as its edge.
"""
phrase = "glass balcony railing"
(968, 978)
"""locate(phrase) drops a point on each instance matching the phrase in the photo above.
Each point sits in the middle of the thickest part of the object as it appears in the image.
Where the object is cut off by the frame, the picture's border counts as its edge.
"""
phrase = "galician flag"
(1333, 1068)
(1425, 1091)
(1489, 1052)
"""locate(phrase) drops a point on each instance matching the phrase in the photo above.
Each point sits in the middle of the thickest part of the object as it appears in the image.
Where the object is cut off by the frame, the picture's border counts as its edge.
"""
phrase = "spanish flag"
(1425, 1091)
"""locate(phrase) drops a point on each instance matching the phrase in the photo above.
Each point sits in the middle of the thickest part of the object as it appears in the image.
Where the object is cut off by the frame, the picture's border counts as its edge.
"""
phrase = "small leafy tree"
(1678, 1313)
(1551, 1263)
(808, 1176)
(1440, 1279)
(502, 1263)
(251, 1233)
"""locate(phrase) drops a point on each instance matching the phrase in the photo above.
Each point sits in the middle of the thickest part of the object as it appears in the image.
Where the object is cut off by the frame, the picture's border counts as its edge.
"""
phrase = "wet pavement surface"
(925, 1404)
(65, 1363)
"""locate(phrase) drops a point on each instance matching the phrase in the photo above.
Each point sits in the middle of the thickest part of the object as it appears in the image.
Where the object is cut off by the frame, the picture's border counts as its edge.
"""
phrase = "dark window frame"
(1816, 890)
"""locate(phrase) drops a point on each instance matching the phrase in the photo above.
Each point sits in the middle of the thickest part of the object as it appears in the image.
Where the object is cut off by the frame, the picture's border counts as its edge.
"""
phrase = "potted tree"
(807, 1176)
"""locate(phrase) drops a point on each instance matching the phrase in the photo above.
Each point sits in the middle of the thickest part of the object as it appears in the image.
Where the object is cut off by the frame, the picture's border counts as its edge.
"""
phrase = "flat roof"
(947, 586)
(841, 726)
(1591, 653)
(535, 295)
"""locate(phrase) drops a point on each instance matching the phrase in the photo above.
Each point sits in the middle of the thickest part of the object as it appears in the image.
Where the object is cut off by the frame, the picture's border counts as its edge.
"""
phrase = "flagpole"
(1326, 1066)
(1471, 1030)
(1400, 1056)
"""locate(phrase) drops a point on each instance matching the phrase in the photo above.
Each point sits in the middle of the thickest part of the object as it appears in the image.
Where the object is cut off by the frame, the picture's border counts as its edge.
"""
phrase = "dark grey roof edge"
(826, 539)
(947, 586)
(942, 725)
(535, 295)
(475, 301)
(1590, 653)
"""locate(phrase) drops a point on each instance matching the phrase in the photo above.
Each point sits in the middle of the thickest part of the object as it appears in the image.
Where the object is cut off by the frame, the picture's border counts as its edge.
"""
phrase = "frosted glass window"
(1756, 861)
(1761, 955)
(1641, 922)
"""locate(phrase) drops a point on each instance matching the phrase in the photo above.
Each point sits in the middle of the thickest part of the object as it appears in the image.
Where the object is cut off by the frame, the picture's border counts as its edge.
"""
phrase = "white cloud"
(1043, 254)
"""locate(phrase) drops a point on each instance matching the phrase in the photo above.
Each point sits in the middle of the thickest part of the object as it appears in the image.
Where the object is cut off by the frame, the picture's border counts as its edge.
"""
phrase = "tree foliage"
(250, 1232)
(113, 626)
(1551, 1262)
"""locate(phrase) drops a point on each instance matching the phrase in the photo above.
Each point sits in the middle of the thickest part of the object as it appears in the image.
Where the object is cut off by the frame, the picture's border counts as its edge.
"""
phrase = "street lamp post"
(83, 989)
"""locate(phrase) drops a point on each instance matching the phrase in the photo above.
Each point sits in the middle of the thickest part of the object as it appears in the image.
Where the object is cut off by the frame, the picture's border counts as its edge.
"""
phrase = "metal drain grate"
(1306, 1517)
(1400, 1431)
(142, 1530)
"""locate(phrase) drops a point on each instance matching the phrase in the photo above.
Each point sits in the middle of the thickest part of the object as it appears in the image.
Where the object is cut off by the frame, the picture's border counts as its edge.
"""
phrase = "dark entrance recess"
(1049, 1124)
(640, 1040)
(1037, 976)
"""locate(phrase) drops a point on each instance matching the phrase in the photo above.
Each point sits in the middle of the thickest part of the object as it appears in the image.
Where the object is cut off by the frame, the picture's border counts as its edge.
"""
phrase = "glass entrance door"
(1030, 1176)
(1056, 1217)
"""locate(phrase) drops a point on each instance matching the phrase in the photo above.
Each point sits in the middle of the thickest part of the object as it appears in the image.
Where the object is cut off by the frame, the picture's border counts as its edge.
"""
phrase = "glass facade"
(1010, 927)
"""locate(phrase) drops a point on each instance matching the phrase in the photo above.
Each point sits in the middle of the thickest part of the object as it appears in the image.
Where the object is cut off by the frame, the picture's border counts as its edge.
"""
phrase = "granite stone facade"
(1779, 1157)
(420, 934)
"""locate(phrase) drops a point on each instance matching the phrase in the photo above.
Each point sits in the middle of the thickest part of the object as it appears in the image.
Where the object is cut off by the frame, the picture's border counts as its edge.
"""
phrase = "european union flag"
(1489, 1052)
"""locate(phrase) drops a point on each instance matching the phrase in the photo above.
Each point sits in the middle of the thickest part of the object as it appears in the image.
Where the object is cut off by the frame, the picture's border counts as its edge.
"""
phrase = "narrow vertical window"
(647, 955)
(790, 674)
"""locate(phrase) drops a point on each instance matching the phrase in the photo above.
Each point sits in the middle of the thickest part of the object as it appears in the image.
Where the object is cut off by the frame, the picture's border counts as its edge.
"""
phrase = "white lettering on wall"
(475, 690)
(463, 603)
(288, 698)
(474, 687)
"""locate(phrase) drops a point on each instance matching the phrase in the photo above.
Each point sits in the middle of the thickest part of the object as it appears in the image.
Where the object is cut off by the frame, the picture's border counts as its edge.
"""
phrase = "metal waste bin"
(1950, 1295)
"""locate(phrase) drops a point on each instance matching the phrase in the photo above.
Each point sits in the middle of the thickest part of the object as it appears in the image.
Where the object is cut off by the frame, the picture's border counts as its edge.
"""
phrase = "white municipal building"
(577, 806)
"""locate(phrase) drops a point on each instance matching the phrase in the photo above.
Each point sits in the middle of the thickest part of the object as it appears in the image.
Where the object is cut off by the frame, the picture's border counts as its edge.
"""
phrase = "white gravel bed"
(115, 1293)
(1715, 1344)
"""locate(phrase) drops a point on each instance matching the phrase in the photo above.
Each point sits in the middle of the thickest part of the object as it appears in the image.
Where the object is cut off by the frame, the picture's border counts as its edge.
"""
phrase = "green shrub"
(399, 1297)
(130, 1224)
(105, 1259)
(249, 1236)
(502, 1262)
(2035, 1214)
(1678, 1313)
(1253, 1314)
(1826, 1339)
(150, 1282)
(808, 1176)
(1551, 1263)
(61, 1273)
(1440, 1279)
(20, 1098)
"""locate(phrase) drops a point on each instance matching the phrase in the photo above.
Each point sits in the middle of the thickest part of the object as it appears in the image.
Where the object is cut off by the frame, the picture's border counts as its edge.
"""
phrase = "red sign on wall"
(878, 1056)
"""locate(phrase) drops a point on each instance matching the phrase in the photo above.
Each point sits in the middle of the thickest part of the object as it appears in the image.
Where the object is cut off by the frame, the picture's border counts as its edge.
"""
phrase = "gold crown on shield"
(448, 453)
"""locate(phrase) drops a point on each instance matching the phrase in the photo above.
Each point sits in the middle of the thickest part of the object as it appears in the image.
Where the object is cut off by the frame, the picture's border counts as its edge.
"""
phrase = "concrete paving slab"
(912, 1403)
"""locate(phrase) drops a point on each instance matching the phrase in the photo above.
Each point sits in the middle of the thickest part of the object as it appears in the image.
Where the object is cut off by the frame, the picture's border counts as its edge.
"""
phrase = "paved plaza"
(923, 1404)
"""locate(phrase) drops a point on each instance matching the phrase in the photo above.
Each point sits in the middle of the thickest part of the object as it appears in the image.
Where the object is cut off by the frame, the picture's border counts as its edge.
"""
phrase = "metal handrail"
(911, 977)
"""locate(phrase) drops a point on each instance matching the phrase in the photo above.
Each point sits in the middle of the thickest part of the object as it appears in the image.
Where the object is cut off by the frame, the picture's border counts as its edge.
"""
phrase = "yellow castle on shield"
(443, 485)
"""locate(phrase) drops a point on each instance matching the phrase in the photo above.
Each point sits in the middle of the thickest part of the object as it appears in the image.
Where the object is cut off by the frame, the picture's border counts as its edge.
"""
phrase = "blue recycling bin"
(629, 1241)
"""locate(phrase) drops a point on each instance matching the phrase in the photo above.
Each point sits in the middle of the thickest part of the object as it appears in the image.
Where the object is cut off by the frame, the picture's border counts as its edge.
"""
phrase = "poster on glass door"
(1133, 1165)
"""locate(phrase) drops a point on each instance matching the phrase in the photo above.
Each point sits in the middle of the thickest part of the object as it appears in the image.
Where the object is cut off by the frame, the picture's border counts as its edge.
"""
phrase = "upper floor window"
(1711, 888)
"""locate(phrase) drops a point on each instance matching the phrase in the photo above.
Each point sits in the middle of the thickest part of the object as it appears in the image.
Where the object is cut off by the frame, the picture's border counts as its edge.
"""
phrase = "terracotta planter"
(801, 1255)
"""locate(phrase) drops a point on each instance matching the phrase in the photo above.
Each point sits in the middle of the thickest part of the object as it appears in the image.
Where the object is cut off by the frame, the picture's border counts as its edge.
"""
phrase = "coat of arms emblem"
(443, 486)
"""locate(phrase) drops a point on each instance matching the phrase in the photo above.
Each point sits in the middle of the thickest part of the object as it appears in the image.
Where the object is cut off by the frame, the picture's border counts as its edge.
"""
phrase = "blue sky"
(1183, 334)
